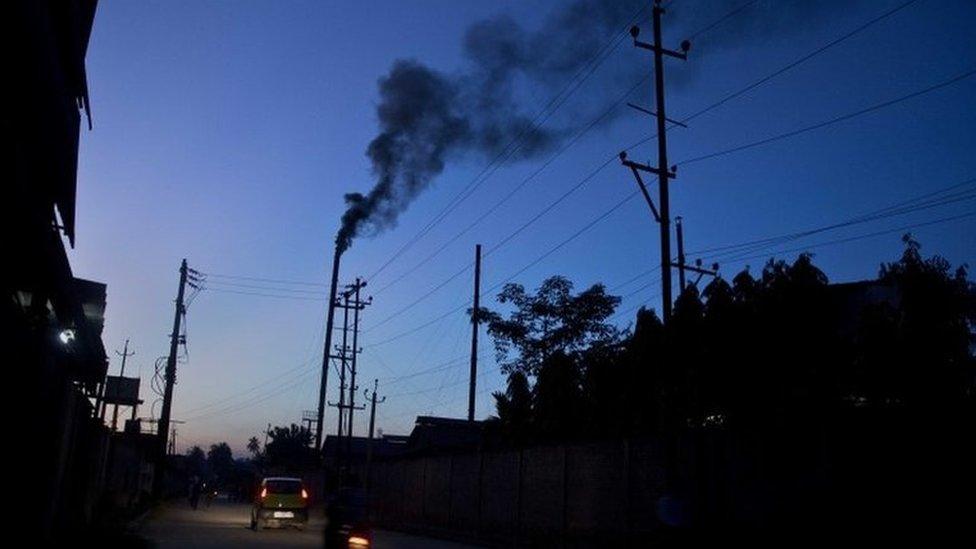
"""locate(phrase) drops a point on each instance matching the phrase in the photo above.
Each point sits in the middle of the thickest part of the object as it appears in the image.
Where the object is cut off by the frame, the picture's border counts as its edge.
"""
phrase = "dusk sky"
(228, 132)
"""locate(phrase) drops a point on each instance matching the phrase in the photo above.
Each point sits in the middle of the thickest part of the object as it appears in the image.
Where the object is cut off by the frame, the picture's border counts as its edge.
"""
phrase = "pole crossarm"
(637, 166)
(652, 113)
(695, 269)
(347, 406)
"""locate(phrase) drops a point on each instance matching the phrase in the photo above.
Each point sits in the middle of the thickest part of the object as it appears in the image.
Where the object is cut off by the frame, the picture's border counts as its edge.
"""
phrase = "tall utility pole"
(474, 330)
(162, 430)
(347, 363)
(343, 352)
(663, 172)
(372, 424)
(357, 305)
(115, 410)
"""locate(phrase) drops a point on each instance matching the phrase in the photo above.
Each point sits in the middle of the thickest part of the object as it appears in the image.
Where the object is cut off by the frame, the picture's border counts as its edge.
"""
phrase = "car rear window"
(283, 486)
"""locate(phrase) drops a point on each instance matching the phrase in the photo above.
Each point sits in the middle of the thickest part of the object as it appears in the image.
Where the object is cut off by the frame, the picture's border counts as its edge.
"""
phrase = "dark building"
(52, 320)
(354, 452)
(445, 434)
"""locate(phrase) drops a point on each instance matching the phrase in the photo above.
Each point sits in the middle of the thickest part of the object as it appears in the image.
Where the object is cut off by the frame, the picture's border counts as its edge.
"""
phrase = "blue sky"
(227, 132)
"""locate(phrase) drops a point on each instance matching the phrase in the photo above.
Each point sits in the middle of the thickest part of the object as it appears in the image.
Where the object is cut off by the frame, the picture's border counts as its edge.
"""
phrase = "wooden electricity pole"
(474, 331)
(663, 171)
(162, 429)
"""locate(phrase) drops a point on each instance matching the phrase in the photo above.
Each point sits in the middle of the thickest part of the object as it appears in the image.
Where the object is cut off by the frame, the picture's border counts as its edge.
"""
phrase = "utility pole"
(474, 331)
(357, 305)
(341, 405)
(266, 433)
(663, 172)
(115, 410)
(682, 264)
(347, 362)
(681, 254)
(162, 430)
(372, 423)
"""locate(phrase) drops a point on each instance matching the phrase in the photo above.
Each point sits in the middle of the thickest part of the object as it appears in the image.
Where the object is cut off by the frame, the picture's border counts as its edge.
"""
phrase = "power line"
(593, 123)
(572, 237)
(612, 158)
(210, 284)
(260, 294)
(860, 237)
(832, 121)
(421, 298)
(722, 101)
(262, 385)
(241, 406)
(721, 20)
(259, 279)
(605, 214)
(911, 205)
(531, 264)
(835, 242)
(867, 217)
(786, 68)
(884, 214)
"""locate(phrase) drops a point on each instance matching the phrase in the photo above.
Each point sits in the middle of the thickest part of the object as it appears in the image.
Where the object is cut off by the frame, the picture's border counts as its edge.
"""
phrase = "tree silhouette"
(779, 351)
(514, 406)
(254, 446)
(929, 332)
(220, 460)
(290, 448)
(553, 320)
(558, 397)
(196, 461)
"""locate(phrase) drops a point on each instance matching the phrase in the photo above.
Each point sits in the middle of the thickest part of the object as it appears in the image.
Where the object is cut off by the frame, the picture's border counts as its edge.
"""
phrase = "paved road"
(226, 525)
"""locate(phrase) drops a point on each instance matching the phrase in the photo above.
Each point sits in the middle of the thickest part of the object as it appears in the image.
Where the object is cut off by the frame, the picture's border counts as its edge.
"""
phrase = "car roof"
(292, 479)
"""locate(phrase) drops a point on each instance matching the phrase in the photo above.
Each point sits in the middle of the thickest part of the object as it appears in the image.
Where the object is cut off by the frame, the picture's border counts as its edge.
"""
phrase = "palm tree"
(254, 446)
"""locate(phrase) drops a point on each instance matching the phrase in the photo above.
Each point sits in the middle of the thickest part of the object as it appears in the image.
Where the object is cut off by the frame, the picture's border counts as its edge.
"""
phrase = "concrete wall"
(536, 495)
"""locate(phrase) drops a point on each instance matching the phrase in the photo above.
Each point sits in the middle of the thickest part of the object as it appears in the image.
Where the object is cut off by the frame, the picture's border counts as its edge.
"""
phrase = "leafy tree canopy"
(552, 320)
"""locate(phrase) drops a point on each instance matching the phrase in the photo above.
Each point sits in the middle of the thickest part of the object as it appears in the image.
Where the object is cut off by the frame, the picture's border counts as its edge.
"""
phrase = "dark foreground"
(226, 525)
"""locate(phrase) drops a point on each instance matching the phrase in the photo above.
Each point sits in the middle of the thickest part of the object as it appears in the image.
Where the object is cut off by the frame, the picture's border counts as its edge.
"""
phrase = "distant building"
(52, 321)
(354, 451)
(445, 434)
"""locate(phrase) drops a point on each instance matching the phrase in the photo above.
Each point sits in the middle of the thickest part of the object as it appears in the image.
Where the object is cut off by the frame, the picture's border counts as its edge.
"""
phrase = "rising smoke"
(427, 117)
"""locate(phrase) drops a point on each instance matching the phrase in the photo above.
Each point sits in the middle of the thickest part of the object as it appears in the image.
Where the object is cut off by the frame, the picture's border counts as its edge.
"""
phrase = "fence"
(866, 470)
(602, 491)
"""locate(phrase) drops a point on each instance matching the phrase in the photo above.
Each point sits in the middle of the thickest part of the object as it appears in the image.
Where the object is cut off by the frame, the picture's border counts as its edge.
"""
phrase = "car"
(280, 501)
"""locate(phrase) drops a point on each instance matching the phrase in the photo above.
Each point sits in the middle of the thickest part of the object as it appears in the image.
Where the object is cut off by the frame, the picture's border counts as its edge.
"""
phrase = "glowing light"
(358, 541)
(264, 493)
(304, 494)
(66, 336)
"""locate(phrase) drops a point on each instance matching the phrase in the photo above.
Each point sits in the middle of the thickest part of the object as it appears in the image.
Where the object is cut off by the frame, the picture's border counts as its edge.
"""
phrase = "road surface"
(226, 525)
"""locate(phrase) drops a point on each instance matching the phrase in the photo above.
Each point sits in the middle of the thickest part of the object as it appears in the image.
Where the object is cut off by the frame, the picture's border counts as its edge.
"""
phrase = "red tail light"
(264, 493)
(304, 494)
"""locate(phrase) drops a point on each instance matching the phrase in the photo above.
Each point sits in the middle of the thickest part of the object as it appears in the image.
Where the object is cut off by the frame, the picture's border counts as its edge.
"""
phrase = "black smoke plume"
(427, 117)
